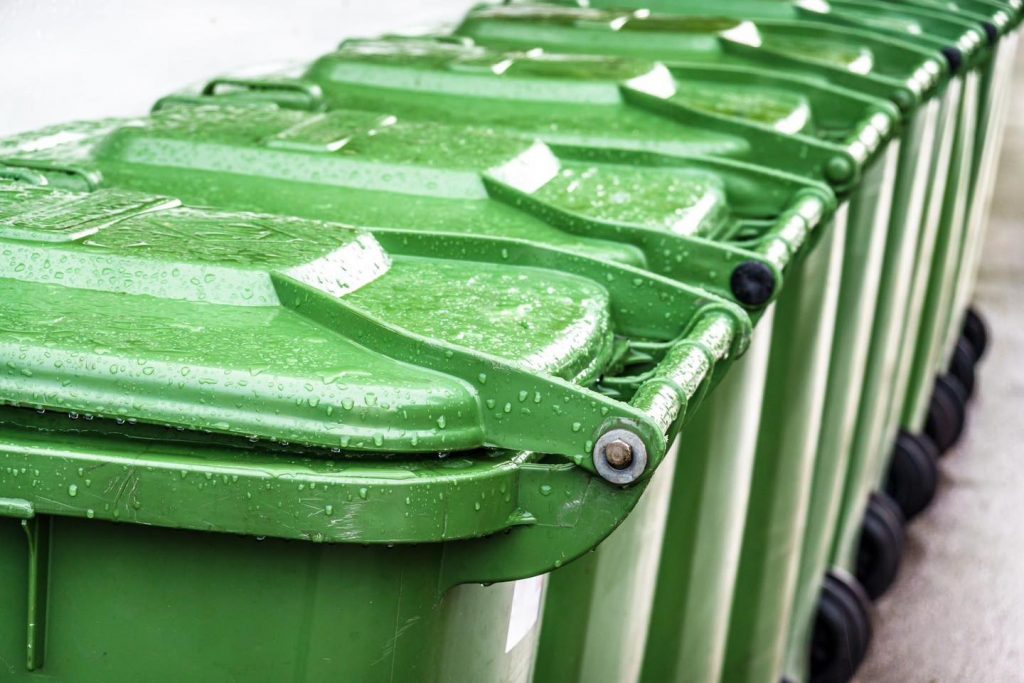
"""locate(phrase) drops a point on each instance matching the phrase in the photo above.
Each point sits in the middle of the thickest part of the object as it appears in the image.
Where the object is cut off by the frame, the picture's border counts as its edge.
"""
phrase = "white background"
(73, 59)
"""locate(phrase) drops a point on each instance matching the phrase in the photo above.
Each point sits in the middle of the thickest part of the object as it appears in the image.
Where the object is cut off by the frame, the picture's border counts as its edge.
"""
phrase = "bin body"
(697, 562)
(897, 273)
(783, 466)
(165, 604)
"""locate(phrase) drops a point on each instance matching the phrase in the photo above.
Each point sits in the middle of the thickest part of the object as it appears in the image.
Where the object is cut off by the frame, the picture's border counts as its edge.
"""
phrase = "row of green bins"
(868, 536)
(912, 472)
(916, 406)
(965, 330)
(451, 78)
(988, 145)
(269, 154)
(958, 32)
(958, 350)
(452, 280)
(867, 309)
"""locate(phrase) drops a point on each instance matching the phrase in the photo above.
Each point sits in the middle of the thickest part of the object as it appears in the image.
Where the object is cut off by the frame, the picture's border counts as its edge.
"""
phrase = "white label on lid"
(525, 609)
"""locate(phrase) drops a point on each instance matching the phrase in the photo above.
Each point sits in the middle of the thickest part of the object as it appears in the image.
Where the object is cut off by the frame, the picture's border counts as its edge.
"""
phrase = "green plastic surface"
(828, 55)
(590, 31)
(583, 100)
(460, 278)
(694, 220)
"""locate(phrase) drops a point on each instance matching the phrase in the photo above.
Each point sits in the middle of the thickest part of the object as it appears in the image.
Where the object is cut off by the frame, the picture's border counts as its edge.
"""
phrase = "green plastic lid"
(694, 220)
(131, 307)
(249, 373)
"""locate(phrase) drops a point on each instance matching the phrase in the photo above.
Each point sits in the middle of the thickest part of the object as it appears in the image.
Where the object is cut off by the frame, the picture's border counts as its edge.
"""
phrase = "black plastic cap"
(954, 58)
(753, 283)
(991, 32)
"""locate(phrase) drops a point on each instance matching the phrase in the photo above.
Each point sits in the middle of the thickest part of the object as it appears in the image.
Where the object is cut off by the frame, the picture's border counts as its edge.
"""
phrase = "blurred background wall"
(73, 59)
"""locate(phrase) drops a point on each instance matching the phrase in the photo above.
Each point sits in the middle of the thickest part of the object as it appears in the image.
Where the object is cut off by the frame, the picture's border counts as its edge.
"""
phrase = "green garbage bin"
(682, 40)
(245, 446)
(272, 159)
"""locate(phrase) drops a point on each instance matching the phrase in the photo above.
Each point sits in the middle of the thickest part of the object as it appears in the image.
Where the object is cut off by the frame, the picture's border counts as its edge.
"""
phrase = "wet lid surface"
(805, 31)
(916, 24)
(683, 202)
(752, 85)
(376, 171)
(848, 57)
(430, 55)
(568, 99)
(129, 306)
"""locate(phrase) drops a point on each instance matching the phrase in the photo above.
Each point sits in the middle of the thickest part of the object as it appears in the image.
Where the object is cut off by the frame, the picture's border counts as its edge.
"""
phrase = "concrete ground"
(956, 612)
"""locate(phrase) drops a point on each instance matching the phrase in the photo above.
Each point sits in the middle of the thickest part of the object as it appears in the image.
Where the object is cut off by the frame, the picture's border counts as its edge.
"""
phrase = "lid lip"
(513, 518)
(271, 495)
(969, 43)
(996, 18)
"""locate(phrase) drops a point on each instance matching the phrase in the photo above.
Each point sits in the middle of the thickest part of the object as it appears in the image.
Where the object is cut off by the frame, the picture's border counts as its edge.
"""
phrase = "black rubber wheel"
(947, 413)
(976, 332)
(881, 545)
(913, 476)
(962, 365)
(842, 630)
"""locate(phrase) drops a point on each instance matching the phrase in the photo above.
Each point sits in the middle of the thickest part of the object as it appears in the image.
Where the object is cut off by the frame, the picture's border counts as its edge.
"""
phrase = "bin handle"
(869, 137)
(679, 381)
(619, 441)
(689, 364)
(22, 175)
(795, 226)
(35, 171)
(314, 96)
